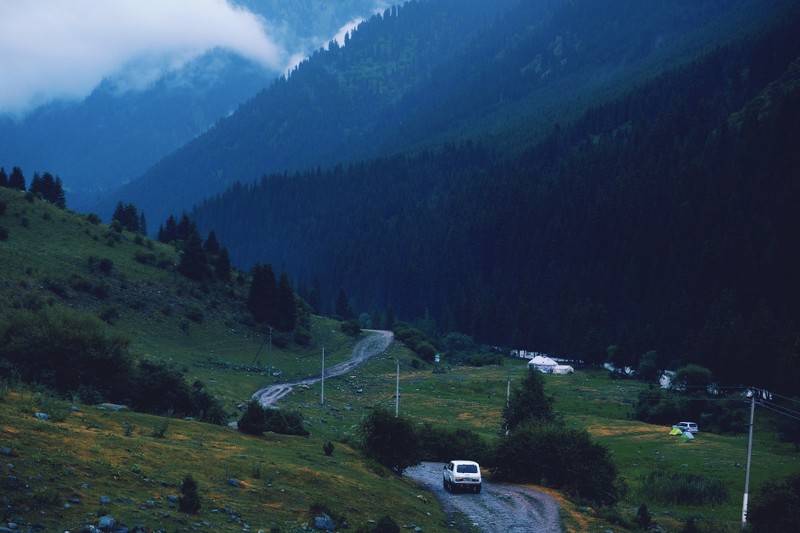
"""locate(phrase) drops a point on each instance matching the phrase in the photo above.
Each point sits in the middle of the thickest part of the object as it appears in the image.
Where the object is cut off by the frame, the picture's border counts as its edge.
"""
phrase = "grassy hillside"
(88, 462)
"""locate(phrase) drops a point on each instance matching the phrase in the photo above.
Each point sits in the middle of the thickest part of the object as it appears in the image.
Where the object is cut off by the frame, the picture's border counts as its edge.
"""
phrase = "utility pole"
(270, 351)
(749, 451)
(322, 390)
(508, 389)
(397, 392)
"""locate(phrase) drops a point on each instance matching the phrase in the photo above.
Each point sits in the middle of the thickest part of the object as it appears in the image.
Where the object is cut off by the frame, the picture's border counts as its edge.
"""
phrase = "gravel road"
(499, 506)
(375, 343)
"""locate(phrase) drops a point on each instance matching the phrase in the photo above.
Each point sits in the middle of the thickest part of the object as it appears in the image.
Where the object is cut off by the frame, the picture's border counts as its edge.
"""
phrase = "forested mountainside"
(115, 134)
(442, 71)
(663, 220)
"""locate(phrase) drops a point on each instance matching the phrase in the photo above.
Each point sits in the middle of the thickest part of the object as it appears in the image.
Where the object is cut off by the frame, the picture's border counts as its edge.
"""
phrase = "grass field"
(62, 468)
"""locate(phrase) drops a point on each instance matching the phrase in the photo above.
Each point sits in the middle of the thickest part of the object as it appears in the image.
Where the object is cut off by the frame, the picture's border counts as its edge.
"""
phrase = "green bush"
(442, 445)
(681, 489)
(351, 327)
(776, 506)
(257, 419)
(327, 448)
(189, 500)
(389, 440)
(3, 234)
(562, 458)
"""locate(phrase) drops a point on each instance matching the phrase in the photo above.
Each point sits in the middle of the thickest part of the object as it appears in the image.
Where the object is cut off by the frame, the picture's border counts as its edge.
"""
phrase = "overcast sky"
(64, 48)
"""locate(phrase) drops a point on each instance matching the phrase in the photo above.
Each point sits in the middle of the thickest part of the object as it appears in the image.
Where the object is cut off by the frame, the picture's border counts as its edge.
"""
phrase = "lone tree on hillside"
(528, 403)
(189, 501)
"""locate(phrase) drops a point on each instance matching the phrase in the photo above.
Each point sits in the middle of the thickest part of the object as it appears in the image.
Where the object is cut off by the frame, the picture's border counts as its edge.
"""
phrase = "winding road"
(498, 507)
(369, 346)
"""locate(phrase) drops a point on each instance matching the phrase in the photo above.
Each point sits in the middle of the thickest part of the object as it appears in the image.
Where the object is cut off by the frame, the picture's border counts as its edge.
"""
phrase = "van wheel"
(478, 489)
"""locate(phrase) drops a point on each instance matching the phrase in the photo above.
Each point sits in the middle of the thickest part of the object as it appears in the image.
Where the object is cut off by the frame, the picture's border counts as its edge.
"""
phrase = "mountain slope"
(438, 71)
(661, 220)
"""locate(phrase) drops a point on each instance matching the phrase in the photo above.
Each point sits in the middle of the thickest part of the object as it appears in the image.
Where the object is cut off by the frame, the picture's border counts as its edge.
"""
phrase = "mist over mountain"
(137, 115)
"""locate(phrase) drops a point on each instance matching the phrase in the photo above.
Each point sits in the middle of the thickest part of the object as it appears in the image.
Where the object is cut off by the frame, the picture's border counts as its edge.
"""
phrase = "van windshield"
(467, 469)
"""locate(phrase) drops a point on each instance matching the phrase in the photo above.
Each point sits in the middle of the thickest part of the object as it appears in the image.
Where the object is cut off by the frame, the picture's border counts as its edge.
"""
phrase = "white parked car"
(691, 427)
(462, 475)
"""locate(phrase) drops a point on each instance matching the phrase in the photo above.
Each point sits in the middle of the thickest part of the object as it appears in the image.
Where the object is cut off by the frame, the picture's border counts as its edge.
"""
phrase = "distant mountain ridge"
(115, 134)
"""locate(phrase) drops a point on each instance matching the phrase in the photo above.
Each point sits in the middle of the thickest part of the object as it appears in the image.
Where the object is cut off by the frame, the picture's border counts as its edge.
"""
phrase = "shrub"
(562, 458)
(189, 500)
(160, 428)
(441, 444)
(389, 440)
(643, 518)
(682, 489)
(145, 258)
(328, 448)
(93, 219)
(776, 506)
(254, 419)
(3, 234)
(351, 327)
(385, 525)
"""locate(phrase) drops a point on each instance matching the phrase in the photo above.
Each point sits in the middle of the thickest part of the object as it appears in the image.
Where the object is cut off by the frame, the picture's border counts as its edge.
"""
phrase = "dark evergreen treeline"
(442, 71)
(47, 186)
(664, 220)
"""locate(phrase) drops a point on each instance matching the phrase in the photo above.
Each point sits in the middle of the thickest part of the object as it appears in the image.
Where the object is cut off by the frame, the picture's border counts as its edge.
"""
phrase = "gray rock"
(324, 523)
(8, 452)
(172, 498)
(42, 416)
(105, 499)
(106, 523)
(233, 482)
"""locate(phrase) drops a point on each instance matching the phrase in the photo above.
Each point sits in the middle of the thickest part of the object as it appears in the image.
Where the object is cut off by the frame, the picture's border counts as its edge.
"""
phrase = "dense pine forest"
(662, 220)
(428, 73)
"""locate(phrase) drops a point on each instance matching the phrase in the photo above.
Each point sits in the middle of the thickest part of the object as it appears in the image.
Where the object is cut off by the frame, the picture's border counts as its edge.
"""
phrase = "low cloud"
(62, 49)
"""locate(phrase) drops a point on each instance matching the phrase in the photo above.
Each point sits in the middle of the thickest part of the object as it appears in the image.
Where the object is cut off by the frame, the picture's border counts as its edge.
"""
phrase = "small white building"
(543, 364)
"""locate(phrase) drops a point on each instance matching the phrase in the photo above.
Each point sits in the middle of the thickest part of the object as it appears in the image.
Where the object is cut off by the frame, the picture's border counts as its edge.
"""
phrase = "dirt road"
(373, 344)
(499, 506)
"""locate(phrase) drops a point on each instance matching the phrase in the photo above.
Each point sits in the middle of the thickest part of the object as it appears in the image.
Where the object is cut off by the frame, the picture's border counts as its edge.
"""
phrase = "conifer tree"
(222, 265)
(262, 299)
(193, 258)
(286, 309)
(3, 177)
(17, 179)
(343, 310)
(189, 501)
(169, 232)
(142, 223)
(212, 244)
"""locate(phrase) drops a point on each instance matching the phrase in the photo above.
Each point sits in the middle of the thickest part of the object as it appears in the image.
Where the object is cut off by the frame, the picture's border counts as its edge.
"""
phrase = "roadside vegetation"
(118, 329)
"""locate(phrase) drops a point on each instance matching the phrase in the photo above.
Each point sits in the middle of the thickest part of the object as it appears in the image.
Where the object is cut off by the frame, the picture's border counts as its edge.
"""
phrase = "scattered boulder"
(105, 499)
(112, 407)
(106, 523)
(172, 498)
(324, 523)
(42, 416)
(233, 482)
(8, 452)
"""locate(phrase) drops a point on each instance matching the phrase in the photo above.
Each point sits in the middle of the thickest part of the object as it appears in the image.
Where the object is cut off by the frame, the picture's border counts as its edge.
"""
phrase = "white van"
(462, 475)
(691, 427)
